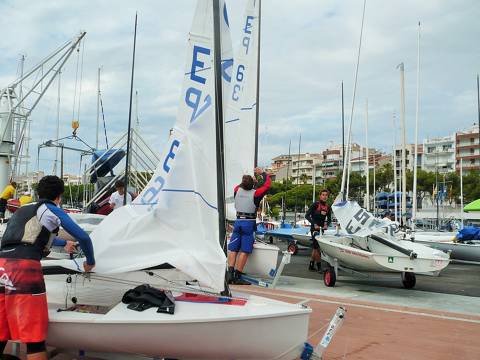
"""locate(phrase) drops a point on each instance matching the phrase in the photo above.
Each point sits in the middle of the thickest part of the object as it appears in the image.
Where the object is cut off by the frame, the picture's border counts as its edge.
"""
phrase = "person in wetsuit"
(320, 217)
(247, 200)
(29, 234)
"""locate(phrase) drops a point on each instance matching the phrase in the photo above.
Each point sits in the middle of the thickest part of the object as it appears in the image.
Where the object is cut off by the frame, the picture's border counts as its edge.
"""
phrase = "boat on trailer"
(87, 312)
(369, 245)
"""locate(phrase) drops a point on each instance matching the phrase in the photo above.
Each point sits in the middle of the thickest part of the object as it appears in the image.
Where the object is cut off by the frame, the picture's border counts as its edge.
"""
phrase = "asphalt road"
(457, 279)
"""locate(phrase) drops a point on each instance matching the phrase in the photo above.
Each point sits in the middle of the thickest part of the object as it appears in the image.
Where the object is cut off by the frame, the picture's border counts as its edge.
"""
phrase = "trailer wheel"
(292, 248)
(270, 239)
(329, 277)
(408, 280)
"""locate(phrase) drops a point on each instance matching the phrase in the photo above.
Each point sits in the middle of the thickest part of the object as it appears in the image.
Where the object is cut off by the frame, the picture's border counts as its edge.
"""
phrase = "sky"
(308, 48)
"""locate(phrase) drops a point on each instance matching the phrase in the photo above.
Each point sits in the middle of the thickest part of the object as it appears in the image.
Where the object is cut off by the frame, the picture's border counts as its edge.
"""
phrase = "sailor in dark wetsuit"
(247, 200)
(320, 217)
(29, 234)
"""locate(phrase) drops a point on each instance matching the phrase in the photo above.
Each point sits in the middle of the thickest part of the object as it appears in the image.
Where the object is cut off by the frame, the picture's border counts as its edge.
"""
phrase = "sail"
(355, 220)
(175, 218)
(240, 119)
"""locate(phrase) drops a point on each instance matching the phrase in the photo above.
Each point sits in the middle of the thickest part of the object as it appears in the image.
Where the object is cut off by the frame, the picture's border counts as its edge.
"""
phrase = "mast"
(127, 161)
(343, 136)
(257, 100)
(298, 177)
(395, 169)
(98, 109)
(346, 160)
(286, 182)
(478, 111)
(402, 122)
(219, 124)
(55, 165)
(461, 191)
(415, 164)
(367, 167)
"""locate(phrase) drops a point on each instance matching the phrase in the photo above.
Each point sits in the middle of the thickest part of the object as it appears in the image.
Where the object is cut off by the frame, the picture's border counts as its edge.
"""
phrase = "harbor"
(249, 179)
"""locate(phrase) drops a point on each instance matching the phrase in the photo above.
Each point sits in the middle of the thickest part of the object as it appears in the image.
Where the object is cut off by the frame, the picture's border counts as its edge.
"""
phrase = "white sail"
(175, 218)
(241, 114)
(355, 220)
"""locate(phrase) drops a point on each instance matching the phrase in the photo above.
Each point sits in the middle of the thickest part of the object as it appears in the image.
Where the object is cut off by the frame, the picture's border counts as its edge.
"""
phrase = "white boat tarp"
(175, 218)
(241, 115)
(355, 220)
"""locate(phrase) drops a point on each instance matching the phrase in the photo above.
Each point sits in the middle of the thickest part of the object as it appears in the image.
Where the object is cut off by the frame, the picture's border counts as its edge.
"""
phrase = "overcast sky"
(308, 48)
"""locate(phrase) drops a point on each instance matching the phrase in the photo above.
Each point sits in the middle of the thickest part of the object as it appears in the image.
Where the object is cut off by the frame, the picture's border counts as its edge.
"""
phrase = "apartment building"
(467, 149)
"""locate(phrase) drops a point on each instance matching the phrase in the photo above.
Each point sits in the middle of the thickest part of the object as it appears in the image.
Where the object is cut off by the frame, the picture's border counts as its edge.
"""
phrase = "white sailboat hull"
(459, 251)
(262, 260)
(381, 258)
(261, 329)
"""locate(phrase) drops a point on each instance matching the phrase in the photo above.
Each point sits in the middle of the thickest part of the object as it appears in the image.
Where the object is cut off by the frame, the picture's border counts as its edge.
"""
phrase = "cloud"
(308, 48)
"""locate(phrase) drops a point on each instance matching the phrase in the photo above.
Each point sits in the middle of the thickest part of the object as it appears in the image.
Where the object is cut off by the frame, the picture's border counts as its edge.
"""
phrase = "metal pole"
(127, 161)
(219, 125)
(313, 178)
(367, 169)
(436, 184)
(395, 168)
(415, 164)
(478, 110)
(298, 177)
(461, 192)
(404, 137)
(61, 162)
(98, 109)
(58, 121)
(257, 101)
(286, 182)
(343, 135)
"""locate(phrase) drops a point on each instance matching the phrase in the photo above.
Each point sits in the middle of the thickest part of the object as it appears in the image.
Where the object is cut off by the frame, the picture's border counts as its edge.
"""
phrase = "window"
(472, 161)
(447, 147)
(430, 149)
(472, 151)
(472, 140)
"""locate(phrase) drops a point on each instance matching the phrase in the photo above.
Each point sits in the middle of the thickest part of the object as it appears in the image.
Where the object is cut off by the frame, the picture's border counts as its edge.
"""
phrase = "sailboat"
(241, 124)
(135, 241)
(367, 243)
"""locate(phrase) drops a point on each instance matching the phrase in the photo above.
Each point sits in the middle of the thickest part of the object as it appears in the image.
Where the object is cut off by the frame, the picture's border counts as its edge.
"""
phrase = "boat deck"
(398, 324)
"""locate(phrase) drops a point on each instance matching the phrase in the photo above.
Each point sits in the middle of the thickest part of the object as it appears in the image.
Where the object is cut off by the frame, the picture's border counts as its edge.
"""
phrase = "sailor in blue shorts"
(247, 200)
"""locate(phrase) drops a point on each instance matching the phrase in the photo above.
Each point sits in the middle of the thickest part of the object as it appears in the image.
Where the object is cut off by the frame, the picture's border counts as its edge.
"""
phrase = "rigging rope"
(104, 123)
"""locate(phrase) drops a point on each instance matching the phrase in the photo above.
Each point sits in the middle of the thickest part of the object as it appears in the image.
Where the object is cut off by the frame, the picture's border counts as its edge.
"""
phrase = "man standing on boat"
(320, 217)
(29, 234)
(7, 194)
(116, 199)
(247, 200)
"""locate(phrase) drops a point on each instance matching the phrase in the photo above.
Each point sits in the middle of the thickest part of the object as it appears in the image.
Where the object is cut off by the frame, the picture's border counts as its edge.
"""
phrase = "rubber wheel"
(329, 277)
(292, 248)
(408, 280)
(270, 239)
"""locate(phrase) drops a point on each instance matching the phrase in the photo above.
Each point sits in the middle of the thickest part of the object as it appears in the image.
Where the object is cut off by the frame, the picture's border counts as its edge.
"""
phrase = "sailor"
(116, 199)
(320, 217)
(26, 198)
(7, 193)
(247, 200)
(27, 238)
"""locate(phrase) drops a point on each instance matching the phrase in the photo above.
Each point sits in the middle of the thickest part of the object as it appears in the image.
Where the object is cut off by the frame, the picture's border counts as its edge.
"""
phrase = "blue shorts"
(242, 236)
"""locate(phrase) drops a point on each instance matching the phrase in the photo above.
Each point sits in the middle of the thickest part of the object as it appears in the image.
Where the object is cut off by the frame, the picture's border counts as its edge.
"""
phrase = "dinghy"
(135, 242)
(369, 244)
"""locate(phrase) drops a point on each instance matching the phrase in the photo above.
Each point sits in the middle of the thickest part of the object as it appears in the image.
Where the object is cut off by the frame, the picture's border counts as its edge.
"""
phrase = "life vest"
(322, 209)
(244, 202)
(24, 228)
